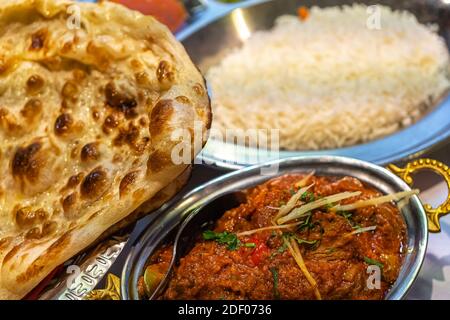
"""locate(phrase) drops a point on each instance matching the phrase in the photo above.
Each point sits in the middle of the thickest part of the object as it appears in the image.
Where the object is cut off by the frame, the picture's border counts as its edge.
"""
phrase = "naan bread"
(88, 118)
(159, 199)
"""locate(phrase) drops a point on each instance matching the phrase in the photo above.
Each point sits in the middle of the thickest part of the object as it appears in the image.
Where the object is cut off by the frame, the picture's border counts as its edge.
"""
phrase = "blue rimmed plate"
(216, 33)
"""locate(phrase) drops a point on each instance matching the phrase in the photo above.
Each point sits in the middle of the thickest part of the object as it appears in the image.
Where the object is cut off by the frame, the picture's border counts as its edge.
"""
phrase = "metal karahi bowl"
(418, 217)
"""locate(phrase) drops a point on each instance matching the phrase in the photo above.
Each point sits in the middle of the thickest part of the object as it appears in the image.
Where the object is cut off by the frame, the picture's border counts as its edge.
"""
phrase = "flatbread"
(89, 119)
(159, 199)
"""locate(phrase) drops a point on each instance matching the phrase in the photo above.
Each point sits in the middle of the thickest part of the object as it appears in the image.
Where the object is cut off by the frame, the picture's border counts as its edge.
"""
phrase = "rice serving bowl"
(333, 79)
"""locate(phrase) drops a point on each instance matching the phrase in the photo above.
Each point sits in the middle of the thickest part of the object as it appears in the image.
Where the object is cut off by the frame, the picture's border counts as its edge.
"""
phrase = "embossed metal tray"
(208, 39)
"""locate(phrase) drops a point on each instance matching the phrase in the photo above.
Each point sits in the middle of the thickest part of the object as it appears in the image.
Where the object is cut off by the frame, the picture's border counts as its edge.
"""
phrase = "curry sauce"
(224, 264)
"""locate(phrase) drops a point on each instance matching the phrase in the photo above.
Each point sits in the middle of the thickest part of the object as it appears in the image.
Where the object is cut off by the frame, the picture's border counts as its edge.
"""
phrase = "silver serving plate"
(164, 228)
(218, 30)
(82, 274)
(94, 264)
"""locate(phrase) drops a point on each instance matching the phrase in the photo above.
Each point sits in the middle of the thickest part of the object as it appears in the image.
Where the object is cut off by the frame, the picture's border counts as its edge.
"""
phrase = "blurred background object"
(172, 13)
(194, 6)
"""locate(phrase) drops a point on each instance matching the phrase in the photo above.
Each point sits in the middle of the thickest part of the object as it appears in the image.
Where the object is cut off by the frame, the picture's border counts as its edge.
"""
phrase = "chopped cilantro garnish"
(227, 238)
(370, 261)
(346, 214)
(308, 196)
(309, 225)
(349, 217)
(282, 248)
(276, 293)
(328, 206)
(290, 235)
(306, 224)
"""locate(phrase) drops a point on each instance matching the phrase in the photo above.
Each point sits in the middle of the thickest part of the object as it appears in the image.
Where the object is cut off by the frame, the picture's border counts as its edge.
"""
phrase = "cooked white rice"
(330, 81)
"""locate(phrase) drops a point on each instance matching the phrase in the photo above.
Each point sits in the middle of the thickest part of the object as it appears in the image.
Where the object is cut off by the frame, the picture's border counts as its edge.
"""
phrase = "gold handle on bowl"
(433, 214)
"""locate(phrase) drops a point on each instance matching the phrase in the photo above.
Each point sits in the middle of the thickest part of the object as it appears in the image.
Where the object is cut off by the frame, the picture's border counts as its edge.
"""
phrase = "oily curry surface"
(226, 264)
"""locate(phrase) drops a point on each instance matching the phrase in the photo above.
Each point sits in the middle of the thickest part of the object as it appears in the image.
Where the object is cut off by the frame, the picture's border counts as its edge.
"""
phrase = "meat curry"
(295, 237)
